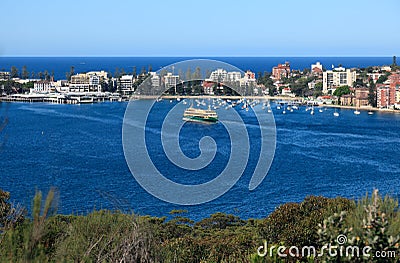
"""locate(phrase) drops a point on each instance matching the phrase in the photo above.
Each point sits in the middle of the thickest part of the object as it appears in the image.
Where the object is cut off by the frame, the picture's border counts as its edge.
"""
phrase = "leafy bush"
(105, 236)
(297, 223)
(25, 241)
(374, 222)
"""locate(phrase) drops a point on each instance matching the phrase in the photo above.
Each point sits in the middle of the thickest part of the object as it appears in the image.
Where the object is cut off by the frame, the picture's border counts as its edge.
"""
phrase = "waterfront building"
(337, 77)
(249, 79)
(4, 75)
(250, 75)
(281, 71)
(61, 86)
(397, 104)
(220, 75)
(208, 87)
(171, 80)
(382, 94)
(125, 84)
(155, 79)
(361, 97)
(83, 82)
(347, 100)
(287, 91)
(101, 74)
(394, 81)
(233, 76)
(43, 86)
(326, 99)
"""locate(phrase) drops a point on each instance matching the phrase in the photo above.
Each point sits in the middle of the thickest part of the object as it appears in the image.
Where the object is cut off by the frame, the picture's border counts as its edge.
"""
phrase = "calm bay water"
(78, 150)
(61, 65)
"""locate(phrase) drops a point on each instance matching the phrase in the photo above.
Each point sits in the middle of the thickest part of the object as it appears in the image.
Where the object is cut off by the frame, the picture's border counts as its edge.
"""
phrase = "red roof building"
(394, 81)
(280, 71)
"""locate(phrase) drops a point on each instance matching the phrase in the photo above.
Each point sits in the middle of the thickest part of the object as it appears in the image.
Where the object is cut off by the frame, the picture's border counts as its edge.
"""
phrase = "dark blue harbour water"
(78, 150)
(256, 64)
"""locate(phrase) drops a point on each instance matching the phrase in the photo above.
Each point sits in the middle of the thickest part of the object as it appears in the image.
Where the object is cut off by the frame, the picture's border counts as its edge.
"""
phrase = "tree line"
(24, 73)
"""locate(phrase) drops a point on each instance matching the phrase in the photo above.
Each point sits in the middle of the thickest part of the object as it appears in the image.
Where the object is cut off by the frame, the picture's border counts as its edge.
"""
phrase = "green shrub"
(25, 241)
(297, 223)
(373, 223)
(105, 236)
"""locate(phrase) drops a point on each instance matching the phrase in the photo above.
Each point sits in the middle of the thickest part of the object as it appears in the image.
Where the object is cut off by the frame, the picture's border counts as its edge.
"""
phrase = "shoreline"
(360, 108)
(301, 100)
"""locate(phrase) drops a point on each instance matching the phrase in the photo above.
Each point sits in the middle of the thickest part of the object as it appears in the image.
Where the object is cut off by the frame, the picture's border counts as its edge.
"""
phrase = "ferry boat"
(200, 115)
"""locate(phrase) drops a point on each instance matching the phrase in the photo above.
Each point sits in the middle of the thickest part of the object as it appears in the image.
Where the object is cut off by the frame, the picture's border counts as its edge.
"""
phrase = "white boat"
(269, 107)
(370, 113)
(357, 112)
(320, 110)
(85, 99)
(336, 114)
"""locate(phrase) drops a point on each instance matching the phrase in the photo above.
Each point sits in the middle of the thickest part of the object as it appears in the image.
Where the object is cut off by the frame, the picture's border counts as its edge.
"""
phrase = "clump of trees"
(10, 87)
(343, 90)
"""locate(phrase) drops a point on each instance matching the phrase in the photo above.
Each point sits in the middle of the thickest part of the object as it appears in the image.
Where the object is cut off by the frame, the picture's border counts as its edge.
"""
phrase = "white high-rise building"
(338, 77)
(233, 76)
(125, 84)
(171, 80)
(85, 82)
(155, 80)
(43, 86)
(218, 75)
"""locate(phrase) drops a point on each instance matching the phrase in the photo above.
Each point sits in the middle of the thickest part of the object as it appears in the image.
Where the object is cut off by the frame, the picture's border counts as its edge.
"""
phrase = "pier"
(67, 98)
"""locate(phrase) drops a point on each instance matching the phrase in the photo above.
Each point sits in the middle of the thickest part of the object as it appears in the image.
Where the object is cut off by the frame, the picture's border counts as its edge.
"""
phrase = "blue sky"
(200, 28)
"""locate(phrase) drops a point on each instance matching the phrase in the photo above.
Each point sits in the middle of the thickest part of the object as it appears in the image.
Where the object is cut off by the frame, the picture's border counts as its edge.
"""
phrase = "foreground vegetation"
(112, 236)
